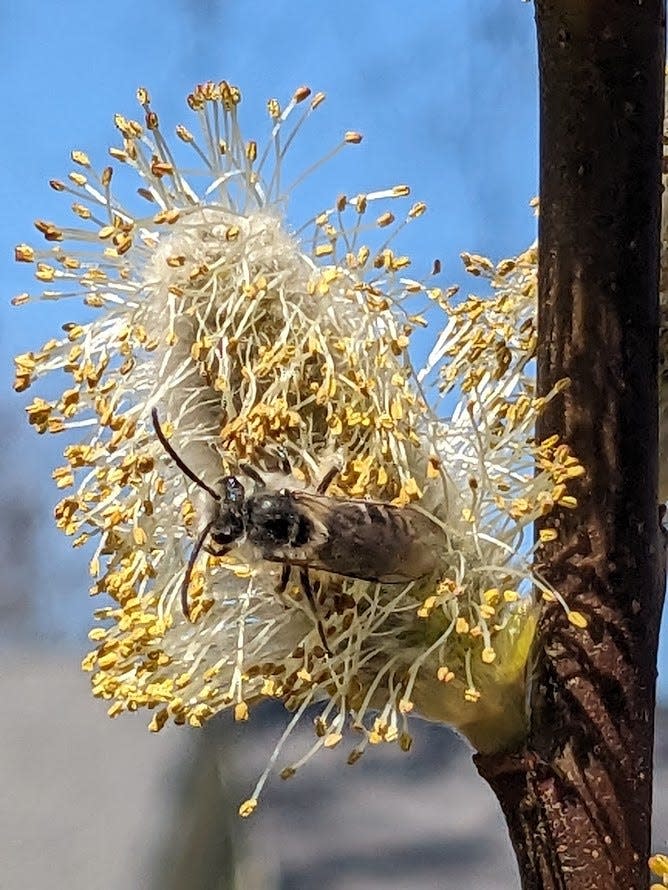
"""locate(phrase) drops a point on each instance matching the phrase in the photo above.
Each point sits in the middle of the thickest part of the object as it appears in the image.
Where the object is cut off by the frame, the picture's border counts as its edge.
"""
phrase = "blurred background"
(446, 96)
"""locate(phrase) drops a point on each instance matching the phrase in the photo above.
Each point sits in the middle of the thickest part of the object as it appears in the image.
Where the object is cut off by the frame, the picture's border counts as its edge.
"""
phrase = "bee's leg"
(282, 586)
(308, 593)
(285, 577)
(327, 480)
(253, 474)
(284, 461)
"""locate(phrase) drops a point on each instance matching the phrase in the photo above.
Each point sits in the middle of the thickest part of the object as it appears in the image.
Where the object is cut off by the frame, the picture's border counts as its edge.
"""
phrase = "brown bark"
(577, 798)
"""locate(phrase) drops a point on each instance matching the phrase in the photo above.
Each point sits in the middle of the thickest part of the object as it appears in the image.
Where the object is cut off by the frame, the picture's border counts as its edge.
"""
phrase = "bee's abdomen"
(379, 542)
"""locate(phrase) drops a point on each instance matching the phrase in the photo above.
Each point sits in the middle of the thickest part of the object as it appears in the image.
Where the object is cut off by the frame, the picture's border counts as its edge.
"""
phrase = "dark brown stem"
(578, 797)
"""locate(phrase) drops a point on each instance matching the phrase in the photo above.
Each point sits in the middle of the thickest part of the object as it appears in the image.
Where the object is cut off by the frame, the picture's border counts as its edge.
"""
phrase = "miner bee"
(352, 537)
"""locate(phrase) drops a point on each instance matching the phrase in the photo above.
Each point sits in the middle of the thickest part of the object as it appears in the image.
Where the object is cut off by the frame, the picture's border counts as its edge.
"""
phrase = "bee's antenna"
(308, 591)
(194, 553)
(177, 460)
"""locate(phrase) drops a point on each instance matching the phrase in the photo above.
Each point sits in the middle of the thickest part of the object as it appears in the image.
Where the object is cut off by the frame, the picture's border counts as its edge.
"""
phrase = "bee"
(351, 537)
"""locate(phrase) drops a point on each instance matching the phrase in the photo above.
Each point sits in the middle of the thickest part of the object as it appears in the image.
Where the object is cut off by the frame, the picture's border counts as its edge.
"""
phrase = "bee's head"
(229, 524)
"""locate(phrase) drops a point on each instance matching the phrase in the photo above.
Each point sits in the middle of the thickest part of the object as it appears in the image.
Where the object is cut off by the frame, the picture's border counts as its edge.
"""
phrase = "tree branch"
(578, 797)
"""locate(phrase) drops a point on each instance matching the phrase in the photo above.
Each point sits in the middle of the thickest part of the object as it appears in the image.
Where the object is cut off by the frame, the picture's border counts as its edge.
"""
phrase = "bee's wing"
(369, 540)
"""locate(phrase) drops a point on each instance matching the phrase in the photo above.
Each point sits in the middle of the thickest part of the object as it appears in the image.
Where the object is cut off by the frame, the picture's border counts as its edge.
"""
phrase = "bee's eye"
(233, 491)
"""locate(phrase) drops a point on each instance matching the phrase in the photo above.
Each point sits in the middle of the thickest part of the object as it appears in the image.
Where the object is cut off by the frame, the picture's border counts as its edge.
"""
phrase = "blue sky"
(445, 94)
